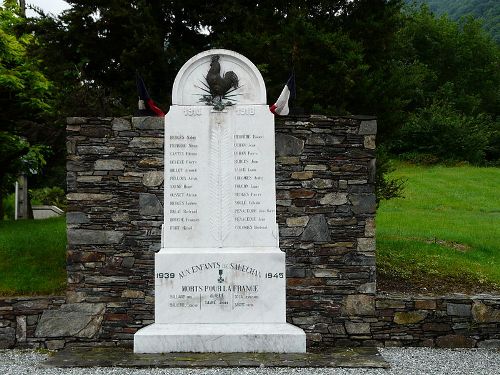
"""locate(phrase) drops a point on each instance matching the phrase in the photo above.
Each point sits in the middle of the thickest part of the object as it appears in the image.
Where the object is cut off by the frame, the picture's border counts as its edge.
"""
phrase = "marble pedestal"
(220, 300)
(220, 338)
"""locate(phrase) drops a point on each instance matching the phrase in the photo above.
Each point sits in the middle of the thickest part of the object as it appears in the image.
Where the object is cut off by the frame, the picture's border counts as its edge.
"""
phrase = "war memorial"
(222, 228)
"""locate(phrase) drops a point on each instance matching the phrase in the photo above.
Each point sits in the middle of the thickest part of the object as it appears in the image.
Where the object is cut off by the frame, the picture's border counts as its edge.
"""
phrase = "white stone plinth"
(220, 338)
(212, 285)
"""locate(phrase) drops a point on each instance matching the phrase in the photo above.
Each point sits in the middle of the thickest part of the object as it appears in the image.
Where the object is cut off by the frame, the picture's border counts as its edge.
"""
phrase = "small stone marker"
(220, 275)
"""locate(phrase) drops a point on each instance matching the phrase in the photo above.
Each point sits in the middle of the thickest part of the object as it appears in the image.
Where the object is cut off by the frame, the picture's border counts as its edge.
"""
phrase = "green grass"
(33, 257)
(445, 233)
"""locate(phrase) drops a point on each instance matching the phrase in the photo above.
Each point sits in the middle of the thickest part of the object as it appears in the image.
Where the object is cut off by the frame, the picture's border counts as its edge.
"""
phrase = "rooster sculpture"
(219, 86)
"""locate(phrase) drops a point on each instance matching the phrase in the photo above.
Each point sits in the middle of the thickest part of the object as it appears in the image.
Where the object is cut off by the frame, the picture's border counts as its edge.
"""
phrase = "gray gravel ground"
(407, 361)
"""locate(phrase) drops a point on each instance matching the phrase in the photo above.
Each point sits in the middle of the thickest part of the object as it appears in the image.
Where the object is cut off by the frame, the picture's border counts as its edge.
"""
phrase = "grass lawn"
(444, 236)
(32, 257)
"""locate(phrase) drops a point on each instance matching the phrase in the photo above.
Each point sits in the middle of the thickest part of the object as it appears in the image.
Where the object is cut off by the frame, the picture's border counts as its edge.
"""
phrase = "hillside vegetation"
(486, 10)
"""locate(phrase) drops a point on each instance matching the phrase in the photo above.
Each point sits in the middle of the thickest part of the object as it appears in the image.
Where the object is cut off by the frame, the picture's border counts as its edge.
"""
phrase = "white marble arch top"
(188, 84)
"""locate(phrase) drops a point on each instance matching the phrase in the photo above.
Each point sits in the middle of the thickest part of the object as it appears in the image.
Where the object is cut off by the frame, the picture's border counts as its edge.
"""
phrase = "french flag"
(147, 107)
(281, 106)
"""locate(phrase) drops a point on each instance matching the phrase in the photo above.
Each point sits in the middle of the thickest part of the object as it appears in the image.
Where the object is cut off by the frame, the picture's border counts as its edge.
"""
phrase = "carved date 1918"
(245, 111)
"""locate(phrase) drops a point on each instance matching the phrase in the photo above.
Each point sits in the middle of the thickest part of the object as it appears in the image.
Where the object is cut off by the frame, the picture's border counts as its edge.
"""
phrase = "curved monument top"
(200, 77)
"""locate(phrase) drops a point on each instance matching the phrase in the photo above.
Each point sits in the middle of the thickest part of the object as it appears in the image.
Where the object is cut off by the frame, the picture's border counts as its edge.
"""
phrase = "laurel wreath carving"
(220, 180)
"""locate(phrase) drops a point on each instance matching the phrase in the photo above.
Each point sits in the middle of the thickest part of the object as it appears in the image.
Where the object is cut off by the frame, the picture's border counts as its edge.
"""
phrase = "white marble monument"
(220, 275)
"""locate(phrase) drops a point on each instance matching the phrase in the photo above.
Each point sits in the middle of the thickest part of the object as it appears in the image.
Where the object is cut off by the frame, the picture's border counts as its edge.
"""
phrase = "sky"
(49, 6)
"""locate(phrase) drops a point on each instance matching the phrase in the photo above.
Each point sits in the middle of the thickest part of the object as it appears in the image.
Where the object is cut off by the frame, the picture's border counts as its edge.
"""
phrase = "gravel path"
(403, 361)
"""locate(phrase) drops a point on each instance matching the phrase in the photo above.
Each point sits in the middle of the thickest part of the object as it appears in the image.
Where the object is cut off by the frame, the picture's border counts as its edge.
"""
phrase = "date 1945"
(278, 275)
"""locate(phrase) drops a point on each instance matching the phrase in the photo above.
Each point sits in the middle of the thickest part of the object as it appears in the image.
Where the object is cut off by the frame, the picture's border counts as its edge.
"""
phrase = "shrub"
(385, 186)
(443, 132)
(53, 196)
(8, 207)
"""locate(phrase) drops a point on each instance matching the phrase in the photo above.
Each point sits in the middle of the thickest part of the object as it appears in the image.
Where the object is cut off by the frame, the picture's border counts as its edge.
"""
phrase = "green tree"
(338, 49)
(457, 97)
(333, 45)
(24, 95)
(95, 48)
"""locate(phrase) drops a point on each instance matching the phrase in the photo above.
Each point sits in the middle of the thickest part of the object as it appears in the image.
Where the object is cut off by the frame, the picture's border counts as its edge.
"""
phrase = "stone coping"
(362, 357)
(448, 296)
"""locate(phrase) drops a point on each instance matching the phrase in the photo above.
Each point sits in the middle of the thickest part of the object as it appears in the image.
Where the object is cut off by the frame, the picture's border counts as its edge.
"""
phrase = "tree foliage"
(454, 110)
(24, 90)
(488, 11)
(415, 71)
(24, 95)
(101, 44)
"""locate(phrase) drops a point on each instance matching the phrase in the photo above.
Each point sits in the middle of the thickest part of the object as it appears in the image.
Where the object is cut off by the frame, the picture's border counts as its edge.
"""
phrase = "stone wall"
(115, 212)
(446, 322)
(19, 318)
(326, 205)
(325, 210)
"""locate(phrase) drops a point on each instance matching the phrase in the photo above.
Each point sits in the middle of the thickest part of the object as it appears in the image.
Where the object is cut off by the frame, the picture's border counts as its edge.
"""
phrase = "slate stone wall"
(326, 205)
(115, 212)
(325, 209)
(445, 322)
(19, 318)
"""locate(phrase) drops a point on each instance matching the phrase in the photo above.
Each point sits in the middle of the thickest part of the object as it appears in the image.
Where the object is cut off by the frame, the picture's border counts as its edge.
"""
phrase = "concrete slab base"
(220, 338)
(124, 358)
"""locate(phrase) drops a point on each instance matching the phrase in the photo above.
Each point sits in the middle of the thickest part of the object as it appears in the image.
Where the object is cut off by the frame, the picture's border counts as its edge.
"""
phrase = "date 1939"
(165, 275)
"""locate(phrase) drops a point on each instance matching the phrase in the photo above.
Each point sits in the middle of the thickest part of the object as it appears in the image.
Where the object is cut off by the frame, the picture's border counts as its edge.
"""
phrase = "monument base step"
(220, 338)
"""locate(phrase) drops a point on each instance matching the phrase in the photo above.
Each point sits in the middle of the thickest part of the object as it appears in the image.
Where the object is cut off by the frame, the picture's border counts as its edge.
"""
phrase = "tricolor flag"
(281, 106)
(147, 107)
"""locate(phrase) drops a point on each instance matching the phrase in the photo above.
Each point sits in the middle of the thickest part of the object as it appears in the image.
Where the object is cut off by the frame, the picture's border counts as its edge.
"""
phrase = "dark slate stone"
(455, 341)
(458, 309)
(7, 337)
(334, 140)
(372, 169)
(368, 127)
(149, 205)
(363, 204)
(76, 218)
(316, 230)
(95, 150)
(361, 117)
(128, 262)
(360, 154)
(148, 123)
(155, 247)
(356, 259)
(75, 319)
(76, 166)
(120, 124)
(489, 344)
(93, 237)
(76, 120)
(295, 272)
(288, 145)
(95, 131)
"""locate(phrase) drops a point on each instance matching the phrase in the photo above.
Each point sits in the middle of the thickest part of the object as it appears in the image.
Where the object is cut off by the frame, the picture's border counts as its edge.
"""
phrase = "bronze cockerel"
(219, 86)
